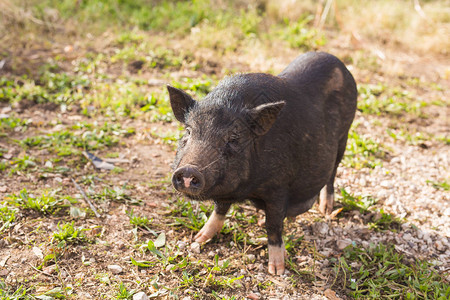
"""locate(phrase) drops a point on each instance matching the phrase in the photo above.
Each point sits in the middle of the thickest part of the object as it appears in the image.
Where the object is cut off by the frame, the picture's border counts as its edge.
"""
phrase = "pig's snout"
(188, 180)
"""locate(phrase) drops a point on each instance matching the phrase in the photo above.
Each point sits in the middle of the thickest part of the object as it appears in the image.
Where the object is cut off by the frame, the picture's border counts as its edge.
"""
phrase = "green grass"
(415, 138)
(197, 87)
(444, 138)
(380, 99)
(150, 57)
(382, 221)
(380, 272)
(302, 35)
(13, 123)
(8, 293)
(69, 234)
(123, 292)
(167, 16)
(378, 219)
(184, 214)
(7, 216)
(139, 221)
(444, 185)
(169, 138)
(3, 166)
(117, 194)
(363, 152)
(360, 203)
(238, 225)
(60, 88)
(47, 203)
(25, 163)
(82, 136)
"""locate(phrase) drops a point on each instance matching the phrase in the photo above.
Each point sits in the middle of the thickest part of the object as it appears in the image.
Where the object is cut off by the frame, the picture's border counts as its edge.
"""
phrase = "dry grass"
(425, 29)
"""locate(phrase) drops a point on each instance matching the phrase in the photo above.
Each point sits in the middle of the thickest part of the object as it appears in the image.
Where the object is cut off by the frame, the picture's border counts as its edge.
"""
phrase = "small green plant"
(24, 163)
(3, 166)
(362, 152)
(443, 138)
(9, 293)
(123, 293)
(379, 99)
(56, 293)
(352, 202)
(62, 85)
(219, 268)
(117, 194)
(51, 87)
(130, 37)
(292, 243)
(440, 185)
(380, 272)
(169, 138)
(47, 203)
(301, 35)
(384, 221)
(10, 123)
(378, 219)
(200, 87)
(236, 226)
(83, 137)
(187, 217)
(412, 138)
(7, 216)
(138, 221)
(69, 234)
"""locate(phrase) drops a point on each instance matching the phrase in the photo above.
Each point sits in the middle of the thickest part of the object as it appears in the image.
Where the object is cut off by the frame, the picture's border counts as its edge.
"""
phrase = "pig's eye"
(233, 141)
(185, 137)
(231, 145)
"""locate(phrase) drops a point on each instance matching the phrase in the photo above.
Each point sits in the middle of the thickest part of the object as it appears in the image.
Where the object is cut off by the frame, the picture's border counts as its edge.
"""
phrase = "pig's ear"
(181, 103)
(263, 116)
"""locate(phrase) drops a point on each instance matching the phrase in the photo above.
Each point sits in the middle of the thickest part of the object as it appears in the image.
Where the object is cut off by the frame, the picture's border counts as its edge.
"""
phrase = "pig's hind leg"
(326, 197)
(214, 223)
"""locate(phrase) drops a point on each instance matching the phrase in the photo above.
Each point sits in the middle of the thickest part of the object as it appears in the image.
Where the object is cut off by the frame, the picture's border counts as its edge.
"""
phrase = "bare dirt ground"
(402, 186)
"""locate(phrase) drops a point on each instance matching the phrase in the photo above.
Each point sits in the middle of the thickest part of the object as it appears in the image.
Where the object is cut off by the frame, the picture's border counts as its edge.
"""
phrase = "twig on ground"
(40, 271)
(86, 198)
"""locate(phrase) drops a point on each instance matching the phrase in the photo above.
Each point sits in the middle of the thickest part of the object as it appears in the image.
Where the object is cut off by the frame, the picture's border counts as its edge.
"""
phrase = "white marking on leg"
(326, 201)
(276, 259)
(212, 226)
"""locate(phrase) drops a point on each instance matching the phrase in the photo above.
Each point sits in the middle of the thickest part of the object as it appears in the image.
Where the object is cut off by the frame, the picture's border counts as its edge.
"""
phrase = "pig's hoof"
(326, 202)
(213, 226)
(276, 259)
(203, 236)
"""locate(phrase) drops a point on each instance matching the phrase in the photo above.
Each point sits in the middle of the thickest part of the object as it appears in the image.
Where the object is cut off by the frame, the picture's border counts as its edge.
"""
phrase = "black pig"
(275, 140)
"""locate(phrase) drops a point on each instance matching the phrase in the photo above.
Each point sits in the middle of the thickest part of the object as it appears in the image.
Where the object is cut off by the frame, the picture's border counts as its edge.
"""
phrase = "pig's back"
(314, 69)
(247, 91)
(322, 83)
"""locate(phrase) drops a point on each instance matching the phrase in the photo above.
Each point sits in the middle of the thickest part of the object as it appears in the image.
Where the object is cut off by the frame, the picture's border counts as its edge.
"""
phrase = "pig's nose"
(188, 179)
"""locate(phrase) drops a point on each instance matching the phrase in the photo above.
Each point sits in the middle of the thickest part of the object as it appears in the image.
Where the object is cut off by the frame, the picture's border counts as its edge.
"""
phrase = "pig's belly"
(296, 207)
(303, 194)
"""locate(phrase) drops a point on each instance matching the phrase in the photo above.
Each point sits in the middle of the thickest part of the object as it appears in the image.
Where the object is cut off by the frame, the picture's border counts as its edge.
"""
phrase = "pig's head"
(214, 155)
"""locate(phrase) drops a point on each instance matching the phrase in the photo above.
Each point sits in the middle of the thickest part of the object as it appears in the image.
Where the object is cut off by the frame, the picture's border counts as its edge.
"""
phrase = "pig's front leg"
(214, 223)
(274, 225)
